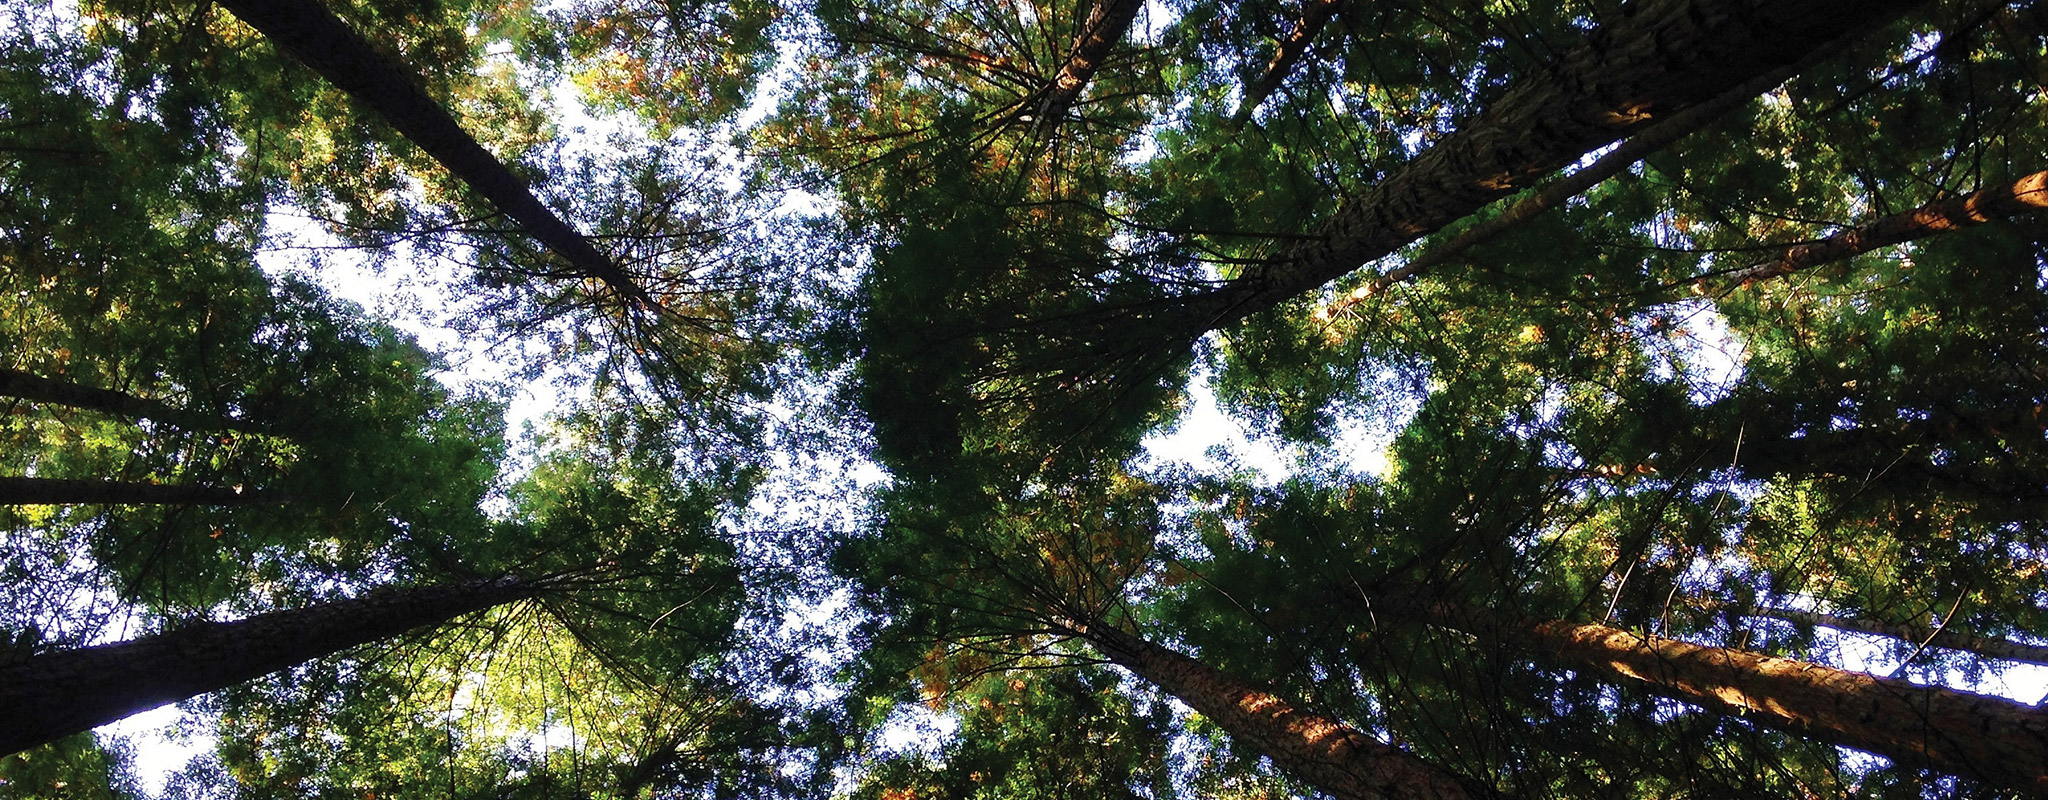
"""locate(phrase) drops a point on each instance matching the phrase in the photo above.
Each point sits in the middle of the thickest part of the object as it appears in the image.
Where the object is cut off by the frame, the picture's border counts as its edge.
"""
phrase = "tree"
(64, 692)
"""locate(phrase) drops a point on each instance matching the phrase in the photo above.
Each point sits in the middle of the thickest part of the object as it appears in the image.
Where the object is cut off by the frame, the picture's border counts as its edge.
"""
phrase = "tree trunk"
(1987, 646)
(2024, 196)
(50, 696)
(1660, 58)
(38, 389)
(1314, 15)
(1990, 738)
(1332, 756)
(313, 35)
(67, 492)
(1108, 21)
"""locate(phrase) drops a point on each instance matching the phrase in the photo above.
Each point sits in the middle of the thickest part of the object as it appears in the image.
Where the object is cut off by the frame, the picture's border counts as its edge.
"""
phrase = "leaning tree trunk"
(313, 35)
(2027, 195)
(1990, 738)
(1660, 58)
(1332, 756)
(1108, 21)
(1314, 15)
(38, 389)
(1944, 637)
(47, 697)
(69, 492)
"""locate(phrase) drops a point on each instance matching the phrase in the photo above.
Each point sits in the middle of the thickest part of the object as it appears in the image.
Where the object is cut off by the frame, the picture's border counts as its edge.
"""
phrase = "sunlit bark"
(1330, 755)
(1990, 738)
(2027, 195)
(1108, 22)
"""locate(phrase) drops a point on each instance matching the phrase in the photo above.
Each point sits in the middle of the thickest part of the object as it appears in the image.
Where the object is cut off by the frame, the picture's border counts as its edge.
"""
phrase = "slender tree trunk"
(1659, 59)
(1332, 756)
(1314, 15)
(1108, 22)
(1559, 190)
(1987, 646)
(67, 492)
(1990, 738)
(57, 694)
(38, 389)
(2027, 195)
(313, 35)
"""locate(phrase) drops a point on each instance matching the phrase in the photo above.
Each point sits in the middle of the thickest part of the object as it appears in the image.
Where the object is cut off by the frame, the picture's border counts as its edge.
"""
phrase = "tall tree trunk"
(1944, 637)
(1659, 59)
(38, 389)
(68, 492)
(49, 696)
(1108, 21)
(321, 41)
(1330, 755)
(1990, 738)
(2027, 195)
(1314, 15)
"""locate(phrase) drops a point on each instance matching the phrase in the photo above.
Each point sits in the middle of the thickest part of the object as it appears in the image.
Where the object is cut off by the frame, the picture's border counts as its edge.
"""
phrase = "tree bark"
(1332, 756)
(1108, 21)
(1661, 58)
(1990, 738)
(1948, 638)
(2027, 195)
(1314, 15)
(53, 695)
(313, 35)
(38, 389)
(67, 492)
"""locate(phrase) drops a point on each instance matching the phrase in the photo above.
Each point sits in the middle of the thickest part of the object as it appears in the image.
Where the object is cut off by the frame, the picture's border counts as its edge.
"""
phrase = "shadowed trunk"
(1944, 637)
(67, 492)
(38, 389)
(1332, 756)
(313, 35)
(1990, 738)
(1657, 60)
(49, 696)
(1314, 15)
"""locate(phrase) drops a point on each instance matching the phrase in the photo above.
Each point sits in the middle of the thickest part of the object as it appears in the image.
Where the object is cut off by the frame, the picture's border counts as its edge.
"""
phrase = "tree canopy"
(740, 398)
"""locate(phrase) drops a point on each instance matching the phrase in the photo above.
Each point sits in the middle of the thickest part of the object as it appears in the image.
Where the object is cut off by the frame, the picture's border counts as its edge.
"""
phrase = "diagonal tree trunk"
(1314, 15)
(1943, 637)
(2028, 195)
(1659, 59)
(1108, 22)
(67, 492)
(313, 35)
(1330, 755)
(49, 696)
(1990, 738)
(38, 389)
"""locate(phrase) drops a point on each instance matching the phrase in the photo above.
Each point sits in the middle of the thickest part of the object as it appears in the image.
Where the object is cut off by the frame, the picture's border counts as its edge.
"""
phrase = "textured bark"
(50, 696)
(1314, 15)
(313, 35)
(1990, 647)
(1659, 59)
(2024, 196)
(67, 492)
(1332, 756)
(38, 389)
(1107, 23)
(1615, 162)
(1990, 738)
